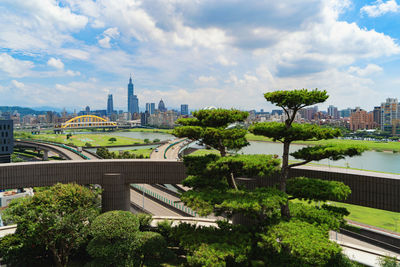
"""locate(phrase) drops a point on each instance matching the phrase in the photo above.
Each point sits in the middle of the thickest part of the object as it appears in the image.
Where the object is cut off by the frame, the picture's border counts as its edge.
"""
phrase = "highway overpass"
(370, 189)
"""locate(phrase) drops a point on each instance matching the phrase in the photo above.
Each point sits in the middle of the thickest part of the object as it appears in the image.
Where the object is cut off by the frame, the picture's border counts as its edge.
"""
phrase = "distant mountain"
(21, 110)
(47, 108)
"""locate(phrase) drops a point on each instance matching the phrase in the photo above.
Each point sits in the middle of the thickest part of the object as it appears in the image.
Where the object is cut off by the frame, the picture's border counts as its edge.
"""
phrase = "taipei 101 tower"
(133, 101)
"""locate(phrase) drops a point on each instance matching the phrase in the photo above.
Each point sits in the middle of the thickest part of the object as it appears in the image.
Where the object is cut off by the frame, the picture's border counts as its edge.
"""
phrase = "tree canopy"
(291, 101)
(55, 220)
(211, 128)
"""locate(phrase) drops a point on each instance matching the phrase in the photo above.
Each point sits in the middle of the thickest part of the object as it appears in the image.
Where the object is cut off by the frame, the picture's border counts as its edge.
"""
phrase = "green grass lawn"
(379, 218)
(168, 131)
(82, 139)
(203, 152)
(370, 145)
(143, 151)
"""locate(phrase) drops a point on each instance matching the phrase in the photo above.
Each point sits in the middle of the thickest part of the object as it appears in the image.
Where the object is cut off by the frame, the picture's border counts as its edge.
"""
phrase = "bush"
(298, 243)
(144, 221)
(114, 240)
(156, 140)
(87, 144)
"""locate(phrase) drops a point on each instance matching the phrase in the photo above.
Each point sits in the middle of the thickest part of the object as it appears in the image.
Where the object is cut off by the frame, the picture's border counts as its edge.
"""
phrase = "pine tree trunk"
(285, 212)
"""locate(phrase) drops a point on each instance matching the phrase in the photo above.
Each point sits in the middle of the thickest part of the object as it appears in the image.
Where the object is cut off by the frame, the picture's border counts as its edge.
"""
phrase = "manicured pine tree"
(291, 101)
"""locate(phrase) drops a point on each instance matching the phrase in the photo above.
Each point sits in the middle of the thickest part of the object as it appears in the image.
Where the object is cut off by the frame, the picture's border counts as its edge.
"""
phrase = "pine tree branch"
(298, 164)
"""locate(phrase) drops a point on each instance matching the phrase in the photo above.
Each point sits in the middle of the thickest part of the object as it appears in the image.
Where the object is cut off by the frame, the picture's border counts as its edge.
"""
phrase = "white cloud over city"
(202, 53)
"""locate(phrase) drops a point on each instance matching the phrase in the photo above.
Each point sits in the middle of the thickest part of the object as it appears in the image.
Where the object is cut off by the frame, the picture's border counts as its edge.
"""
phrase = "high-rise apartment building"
(377, 116)
(184, 109)
(133, 101)
(110, 105)
(151, 108)
(390, 116)
(361, 120)
(333, 112)
(345, 113)
(6, 140)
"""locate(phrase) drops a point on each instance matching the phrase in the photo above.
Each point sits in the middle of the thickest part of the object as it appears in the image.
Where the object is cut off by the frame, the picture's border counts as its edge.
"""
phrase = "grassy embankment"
(142, 151)
(370, 145)
(93, 139)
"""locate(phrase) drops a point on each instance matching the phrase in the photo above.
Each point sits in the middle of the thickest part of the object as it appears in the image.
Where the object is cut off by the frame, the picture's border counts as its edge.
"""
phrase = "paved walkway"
(360, 251)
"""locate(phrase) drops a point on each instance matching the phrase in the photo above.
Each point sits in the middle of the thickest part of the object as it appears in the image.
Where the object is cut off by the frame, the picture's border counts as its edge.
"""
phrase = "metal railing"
(171, 145)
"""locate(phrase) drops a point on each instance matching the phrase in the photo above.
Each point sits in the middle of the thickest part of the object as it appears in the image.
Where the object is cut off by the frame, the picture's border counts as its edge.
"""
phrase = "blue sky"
(72, 53)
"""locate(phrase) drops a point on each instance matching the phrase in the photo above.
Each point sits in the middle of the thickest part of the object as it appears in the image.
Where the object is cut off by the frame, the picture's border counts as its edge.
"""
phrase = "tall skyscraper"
(133, 101)
(110, 106)
(184, 109)
(161, 106)
(333, 112)
(6, 140)
(150, 108)
(390, 115)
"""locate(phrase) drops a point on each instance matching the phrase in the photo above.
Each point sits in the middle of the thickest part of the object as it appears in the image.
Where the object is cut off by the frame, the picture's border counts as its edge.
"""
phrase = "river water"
(369, 160)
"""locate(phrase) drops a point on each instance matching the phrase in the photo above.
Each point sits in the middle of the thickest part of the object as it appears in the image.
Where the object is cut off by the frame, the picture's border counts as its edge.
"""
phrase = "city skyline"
(75, 51)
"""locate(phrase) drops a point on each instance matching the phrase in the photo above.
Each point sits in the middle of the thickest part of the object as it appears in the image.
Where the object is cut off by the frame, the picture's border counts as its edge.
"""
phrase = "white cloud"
(368, 70)
(15, 67)
(206, 79)
(108, 35)
(225, 62)
(55, 63)
(17, 84)
(72, 73)
(380, 8)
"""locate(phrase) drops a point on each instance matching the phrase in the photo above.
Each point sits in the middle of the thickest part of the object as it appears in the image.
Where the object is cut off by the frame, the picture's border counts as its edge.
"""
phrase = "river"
(369, 160)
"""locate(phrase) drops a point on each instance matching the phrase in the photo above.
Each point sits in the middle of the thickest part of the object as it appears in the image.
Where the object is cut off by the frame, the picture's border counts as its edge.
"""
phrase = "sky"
(73, 53)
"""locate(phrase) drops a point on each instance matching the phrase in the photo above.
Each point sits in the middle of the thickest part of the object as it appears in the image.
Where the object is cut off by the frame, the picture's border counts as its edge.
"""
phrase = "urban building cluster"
(152, 115)
(385, 117)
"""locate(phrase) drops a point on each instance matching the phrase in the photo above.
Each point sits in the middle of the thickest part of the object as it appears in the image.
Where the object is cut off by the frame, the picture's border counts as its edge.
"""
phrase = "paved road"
(172, 152)
(151, 206)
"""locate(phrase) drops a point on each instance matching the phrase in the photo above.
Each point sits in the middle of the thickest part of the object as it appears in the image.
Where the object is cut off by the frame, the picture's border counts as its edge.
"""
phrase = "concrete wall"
(376, 190)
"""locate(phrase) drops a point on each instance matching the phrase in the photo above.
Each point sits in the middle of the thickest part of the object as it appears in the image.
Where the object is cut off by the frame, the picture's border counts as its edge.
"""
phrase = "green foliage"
(278, 131)
(56, 219)
(156, 140)
(153, 248)
(227, 245)
(15, 158)
(68, 136)
(112, 139)
(298, 243)
(260, 203)
(388, 261)
(332, 152)
(87, 144)
(114, 239)
(296, 99)
(314, 215)
(146, 141)
(210, 126)
(316, 189)
(214, 118)
(118, 241)
(144, 221)
(214, 172)
(17, 252)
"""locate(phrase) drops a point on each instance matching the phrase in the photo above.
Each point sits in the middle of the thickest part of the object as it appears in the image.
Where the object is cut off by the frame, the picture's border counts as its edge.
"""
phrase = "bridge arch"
(87, 121)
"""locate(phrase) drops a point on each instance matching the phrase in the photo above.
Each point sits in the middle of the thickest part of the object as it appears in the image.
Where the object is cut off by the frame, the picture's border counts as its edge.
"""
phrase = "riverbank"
(370, 145)
(85, 139)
